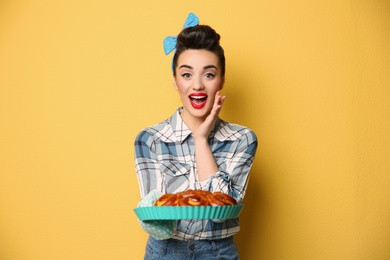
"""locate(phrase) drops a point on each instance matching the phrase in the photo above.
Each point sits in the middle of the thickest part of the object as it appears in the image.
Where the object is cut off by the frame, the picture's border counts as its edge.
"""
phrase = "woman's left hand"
(205, 128)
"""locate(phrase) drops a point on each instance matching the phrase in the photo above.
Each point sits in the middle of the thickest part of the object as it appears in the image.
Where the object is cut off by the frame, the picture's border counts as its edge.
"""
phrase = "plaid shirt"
(165, 161)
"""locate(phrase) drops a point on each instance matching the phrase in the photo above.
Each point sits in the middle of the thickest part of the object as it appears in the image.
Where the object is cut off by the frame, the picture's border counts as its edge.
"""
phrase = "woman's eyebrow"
(205, 67)
(185, 66)
(210, 67)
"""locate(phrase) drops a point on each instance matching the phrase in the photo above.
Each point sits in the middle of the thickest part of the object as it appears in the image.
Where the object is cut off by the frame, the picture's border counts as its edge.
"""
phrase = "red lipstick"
(198, 100)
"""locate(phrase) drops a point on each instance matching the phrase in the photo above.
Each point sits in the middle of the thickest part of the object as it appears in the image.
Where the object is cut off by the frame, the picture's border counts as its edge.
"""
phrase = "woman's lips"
(198, 100)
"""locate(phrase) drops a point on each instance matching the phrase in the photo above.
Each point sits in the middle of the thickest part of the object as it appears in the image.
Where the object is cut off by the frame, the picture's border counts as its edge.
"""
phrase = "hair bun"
(199, 37)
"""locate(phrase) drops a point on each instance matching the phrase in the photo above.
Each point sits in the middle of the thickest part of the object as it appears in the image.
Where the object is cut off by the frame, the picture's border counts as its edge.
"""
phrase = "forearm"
(232, 172)
(204, 158)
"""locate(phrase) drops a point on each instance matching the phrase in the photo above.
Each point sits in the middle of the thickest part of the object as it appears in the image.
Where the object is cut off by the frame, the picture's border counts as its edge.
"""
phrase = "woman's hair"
(200, 37)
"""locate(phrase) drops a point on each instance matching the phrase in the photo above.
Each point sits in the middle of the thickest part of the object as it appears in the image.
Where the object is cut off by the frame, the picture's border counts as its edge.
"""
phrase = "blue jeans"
(173, 249)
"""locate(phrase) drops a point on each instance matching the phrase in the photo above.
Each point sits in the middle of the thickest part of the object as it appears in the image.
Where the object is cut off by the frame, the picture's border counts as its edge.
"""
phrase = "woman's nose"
(197, 84)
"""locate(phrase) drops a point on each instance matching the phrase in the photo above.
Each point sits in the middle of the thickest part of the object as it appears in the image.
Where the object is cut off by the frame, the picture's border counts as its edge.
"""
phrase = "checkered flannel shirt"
(165, 161)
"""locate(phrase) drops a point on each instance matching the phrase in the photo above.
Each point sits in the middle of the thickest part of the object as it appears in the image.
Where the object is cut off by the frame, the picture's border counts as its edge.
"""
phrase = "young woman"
(195, 149)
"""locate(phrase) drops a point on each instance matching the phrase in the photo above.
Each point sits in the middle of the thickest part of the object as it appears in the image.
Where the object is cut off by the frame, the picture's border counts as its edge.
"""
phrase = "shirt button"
(192, 247)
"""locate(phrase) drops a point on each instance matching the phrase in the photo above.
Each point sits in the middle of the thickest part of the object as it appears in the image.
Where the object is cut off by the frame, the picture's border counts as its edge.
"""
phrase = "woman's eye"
(186, 75)
(210, 75)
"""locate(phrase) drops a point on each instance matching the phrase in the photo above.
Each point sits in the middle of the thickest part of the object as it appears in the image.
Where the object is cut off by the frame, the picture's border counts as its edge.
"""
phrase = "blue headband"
(170, 41)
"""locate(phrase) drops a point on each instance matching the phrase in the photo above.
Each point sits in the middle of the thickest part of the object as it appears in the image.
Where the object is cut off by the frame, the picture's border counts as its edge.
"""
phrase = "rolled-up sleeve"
(233, 178)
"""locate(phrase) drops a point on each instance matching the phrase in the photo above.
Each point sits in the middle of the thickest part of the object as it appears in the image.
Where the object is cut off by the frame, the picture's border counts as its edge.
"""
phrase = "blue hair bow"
(170, 41)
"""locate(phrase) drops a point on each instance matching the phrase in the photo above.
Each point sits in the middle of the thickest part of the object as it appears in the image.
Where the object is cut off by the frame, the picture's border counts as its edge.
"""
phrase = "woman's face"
(198, 78)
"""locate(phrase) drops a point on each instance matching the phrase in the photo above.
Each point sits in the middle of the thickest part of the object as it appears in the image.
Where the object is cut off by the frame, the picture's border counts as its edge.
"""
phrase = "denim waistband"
(181, 246)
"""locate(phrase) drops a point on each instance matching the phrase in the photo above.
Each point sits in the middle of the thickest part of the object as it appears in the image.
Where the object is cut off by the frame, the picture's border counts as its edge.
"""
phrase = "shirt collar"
(221, 130)
(179, 128)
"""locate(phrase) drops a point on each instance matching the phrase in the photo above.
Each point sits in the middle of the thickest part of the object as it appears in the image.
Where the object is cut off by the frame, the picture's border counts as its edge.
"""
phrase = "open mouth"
(198, 100)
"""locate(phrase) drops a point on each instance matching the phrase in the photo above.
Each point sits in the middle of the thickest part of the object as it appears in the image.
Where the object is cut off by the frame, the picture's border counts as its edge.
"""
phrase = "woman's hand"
(204, 158)
(205, 128)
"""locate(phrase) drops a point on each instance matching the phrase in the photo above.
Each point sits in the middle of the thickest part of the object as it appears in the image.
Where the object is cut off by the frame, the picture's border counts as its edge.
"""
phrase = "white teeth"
(198, 97)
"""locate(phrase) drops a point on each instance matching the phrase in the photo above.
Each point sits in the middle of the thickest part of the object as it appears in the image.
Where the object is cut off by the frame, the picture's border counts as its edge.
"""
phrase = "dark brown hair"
(200, 37)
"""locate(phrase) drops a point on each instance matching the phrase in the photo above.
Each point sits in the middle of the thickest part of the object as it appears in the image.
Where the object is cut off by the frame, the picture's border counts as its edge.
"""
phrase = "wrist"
(200, 140)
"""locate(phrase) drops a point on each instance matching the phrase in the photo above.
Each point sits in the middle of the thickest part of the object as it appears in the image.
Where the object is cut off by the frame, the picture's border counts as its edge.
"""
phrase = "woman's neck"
(192, 122)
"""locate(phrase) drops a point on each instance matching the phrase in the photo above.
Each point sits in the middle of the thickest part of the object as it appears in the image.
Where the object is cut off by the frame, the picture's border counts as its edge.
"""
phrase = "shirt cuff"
(219, 181)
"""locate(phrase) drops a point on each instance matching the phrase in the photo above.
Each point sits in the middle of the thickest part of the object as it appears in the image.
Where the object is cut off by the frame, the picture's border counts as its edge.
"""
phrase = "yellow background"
(79, 79)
